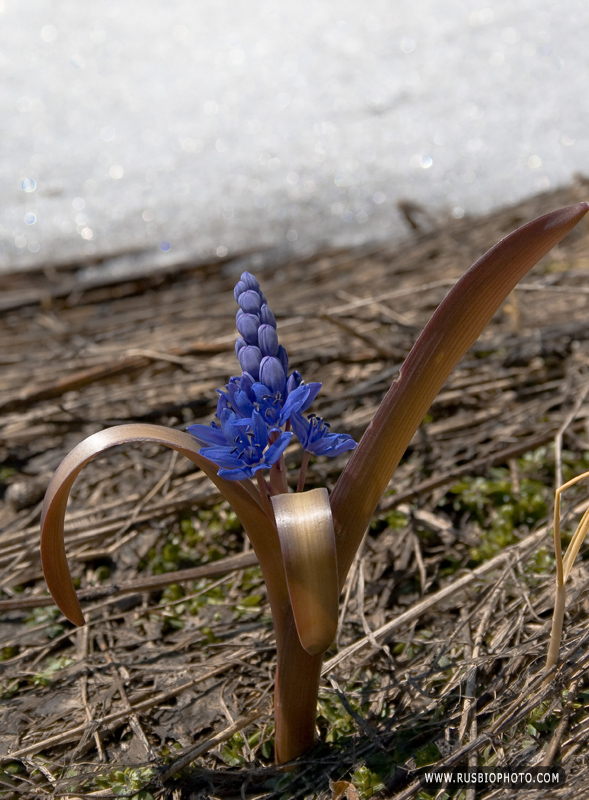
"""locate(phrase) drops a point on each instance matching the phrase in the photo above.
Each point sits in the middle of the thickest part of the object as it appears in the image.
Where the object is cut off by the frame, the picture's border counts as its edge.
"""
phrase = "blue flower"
(240, 447)
(245, 395)
(314, 434)
(254, 409)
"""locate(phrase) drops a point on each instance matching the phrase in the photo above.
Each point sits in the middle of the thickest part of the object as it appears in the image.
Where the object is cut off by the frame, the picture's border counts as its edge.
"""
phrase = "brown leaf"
(343, 790)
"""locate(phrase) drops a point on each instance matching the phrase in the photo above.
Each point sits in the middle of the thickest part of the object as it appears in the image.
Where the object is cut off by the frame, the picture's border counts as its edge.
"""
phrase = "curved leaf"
(259, 527)
(453, 328)
(305, 530)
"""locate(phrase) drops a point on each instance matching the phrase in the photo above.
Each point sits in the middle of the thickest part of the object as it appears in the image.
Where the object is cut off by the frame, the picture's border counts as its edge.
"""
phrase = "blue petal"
(275, 450)
(222, 456)
(222, 403)
(346, 444)
(260, 430)
(282, 356)
(294, 402)
(294, 381)
(301, 428)
(314, 389)
(242, 404)
(247, 381)
(261, 391)
(243, 422)
(299, 399)
(333, 444)
(236, 474)
(205, 434)
(228, 419)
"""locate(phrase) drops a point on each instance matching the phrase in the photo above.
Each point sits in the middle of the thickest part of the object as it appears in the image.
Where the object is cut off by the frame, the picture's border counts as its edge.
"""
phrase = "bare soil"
(444, 628)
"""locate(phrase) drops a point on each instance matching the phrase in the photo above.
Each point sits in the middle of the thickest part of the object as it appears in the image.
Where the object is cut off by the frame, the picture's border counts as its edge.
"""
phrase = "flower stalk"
(306, 541)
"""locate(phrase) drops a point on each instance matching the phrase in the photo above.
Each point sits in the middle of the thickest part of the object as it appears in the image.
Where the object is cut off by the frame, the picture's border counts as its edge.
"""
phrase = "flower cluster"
(256, 411)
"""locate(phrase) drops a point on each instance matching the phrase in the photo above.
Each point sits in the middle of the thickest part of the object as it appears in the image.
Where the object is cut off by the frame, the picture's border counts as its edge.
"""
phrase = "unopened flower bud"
(249, 302)
(240, 288)
(268, 340)
(266, 316)
(282, 356)
(247, 325)
(293, 381)
(272, 374)
(250, 281)
(250, 358)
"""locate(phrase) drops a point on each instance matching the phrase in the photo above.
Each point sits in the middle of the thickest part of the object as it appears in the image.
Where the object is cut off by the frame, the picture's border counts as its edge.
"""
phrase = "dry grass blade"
(563, 568)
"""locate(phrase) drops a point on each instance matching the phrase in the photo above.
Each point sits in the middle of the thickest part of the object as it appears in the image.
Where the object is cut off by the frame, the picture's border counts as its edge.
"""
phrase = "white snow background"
(194, 129)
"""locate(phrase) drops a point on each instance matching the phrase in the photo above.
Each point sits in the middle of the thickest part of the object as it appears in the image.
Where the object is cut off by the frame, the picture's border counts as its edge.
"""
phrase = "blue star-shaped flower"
(314, 434)
(241, 446)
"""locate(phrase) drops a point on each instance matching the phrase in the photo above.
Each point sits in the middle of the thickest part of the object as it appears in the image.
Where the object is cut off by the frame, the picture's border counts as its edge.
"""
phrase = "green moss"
(497, 509)
(395, 520)
(249, 606)
(427, 755)
(251, 578)
(235, 753)
(408, 650)
(540, 722)
(367, 783)
(8, 652)
(542, 562)
(199, 538)
(44, 615)
(179, 602)
(333, 717)
(128, 782)
(102, 573)
(336, 719)
(8, 689)
(54, 665)
(6, 472)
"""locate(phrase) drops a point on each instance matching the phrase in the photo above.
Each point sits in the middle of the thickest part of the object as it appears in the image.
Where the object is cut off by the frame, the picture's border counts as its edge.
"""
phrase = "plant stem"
(296, 691)
(264, 494)
(303, 471)
(278, 481)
